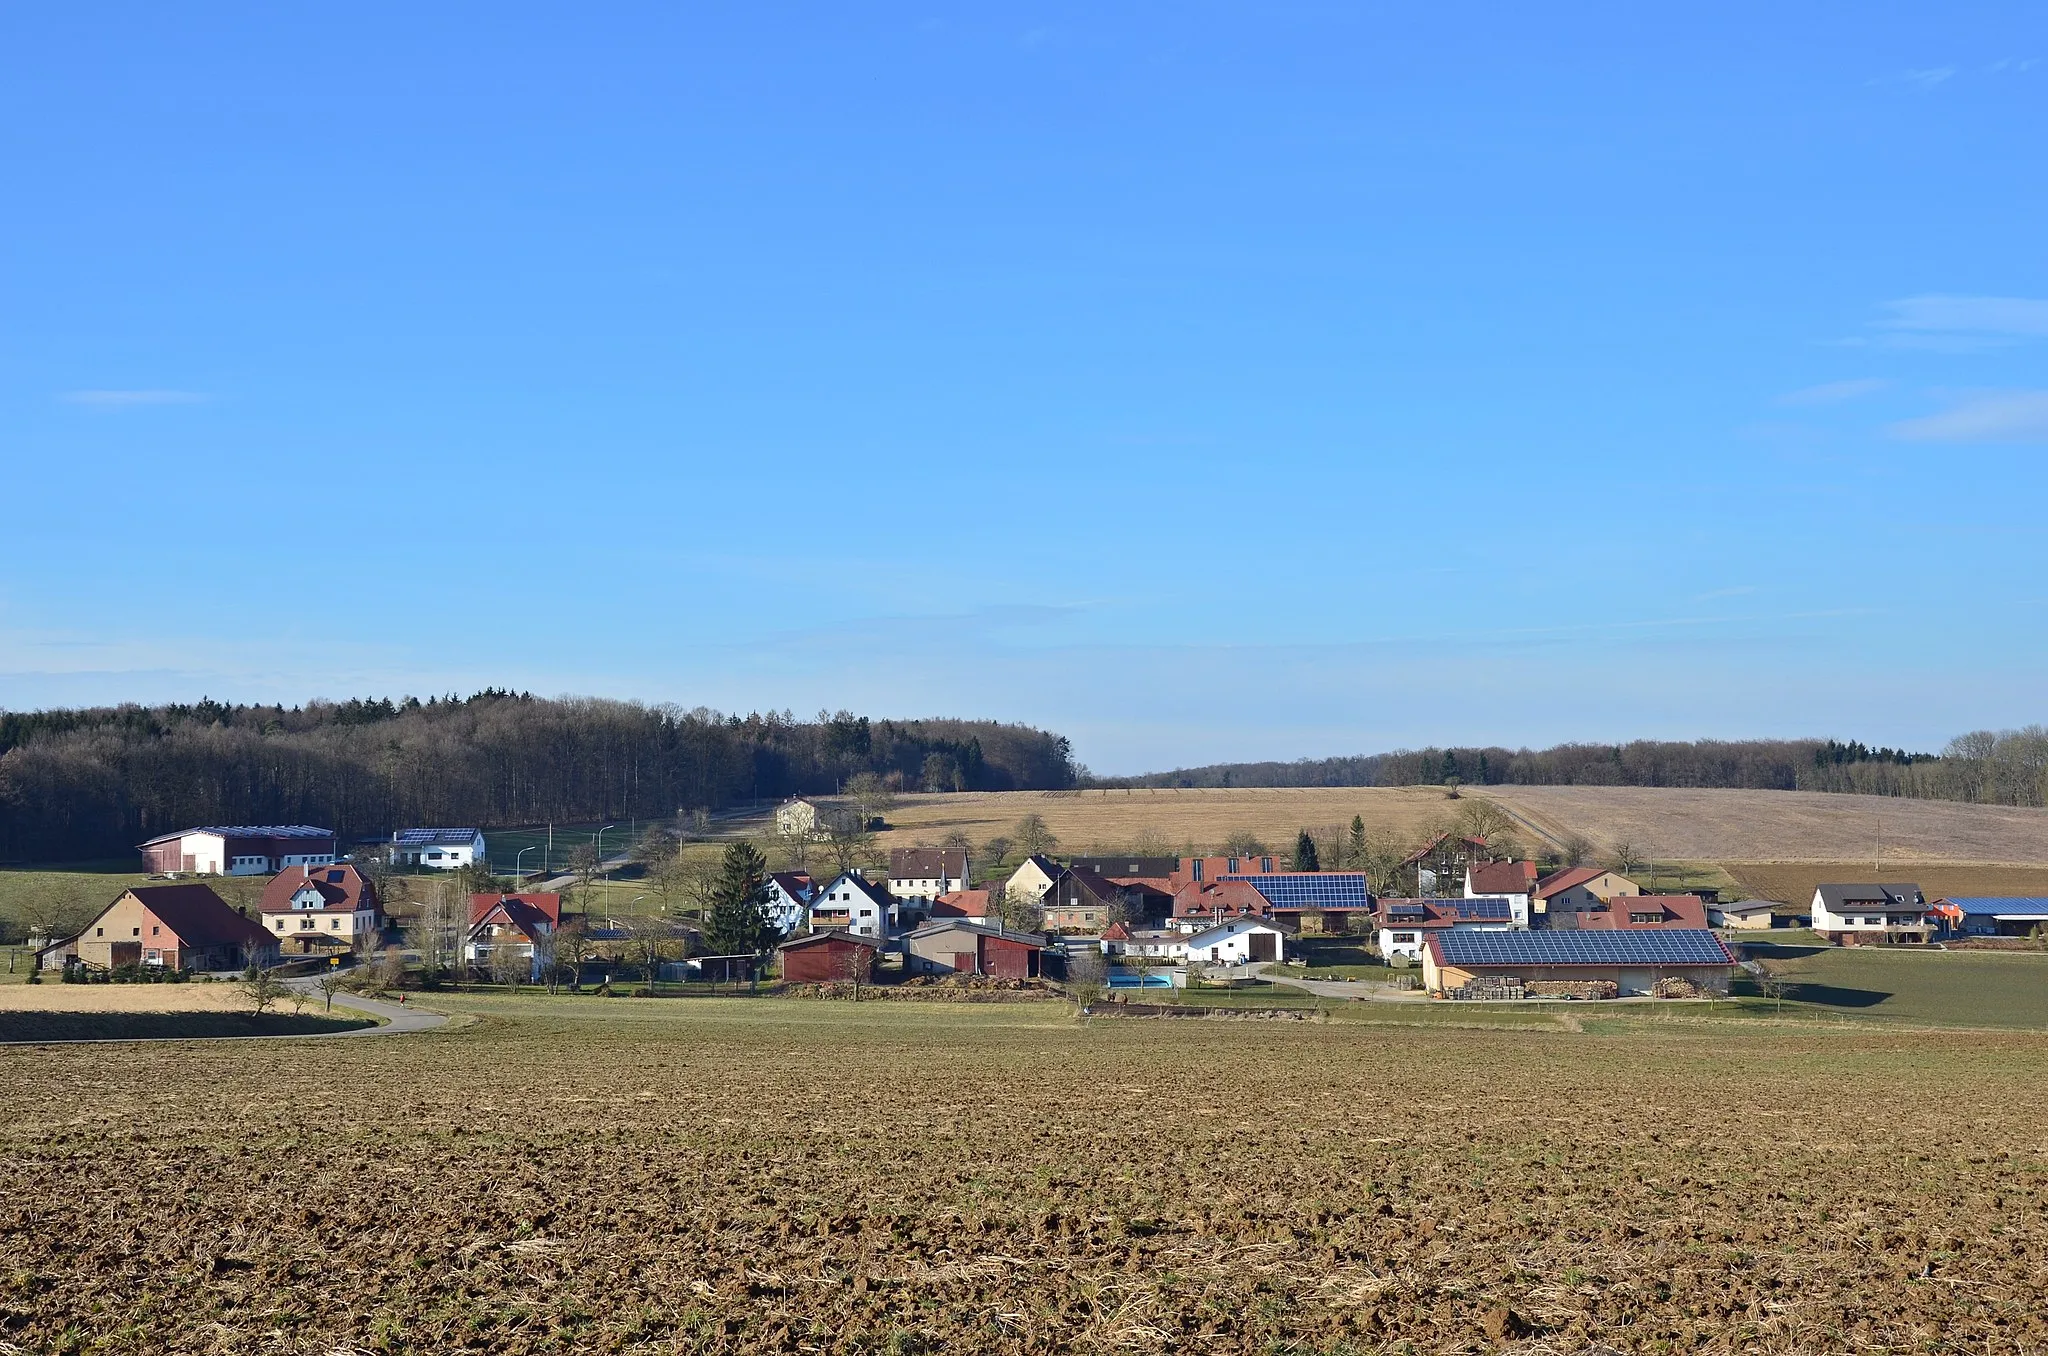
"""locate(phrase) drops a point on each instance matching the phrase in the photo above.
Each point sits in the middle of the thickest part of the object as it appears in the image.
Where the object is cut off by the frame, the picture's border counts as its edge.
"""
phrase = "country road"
(400, 1019)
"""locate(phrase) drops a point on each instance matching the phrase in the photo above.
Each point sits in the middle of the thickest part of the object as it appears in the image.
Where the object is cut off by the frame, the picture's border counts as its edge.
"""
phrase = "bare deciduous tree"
(1032, 834)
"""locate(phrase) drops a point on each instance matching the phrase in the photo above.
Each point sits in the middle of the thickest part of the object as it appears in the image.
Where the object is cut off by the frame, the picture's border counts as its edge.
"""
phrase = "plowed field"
(783, 1176)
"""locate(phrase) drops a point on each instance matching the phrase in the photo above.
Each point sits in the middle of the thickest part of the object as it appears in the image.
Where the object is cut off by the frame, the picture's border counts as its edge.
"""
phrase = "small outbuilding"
(951, 946)
(1745, 915)
(1241, 941)
(827, 957)
(1634, 960)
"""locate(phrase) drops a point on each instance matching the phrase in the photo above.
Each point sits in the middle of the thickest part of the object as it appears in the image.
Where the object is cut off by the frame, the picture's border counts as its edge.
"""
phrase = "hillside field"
(1668, 824)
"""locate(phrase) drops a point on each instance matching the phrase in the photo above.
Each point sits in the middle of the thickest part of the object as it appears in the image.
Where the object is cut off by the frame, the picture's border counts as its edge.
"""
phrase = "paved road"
(1363, 991)
(400, 1019)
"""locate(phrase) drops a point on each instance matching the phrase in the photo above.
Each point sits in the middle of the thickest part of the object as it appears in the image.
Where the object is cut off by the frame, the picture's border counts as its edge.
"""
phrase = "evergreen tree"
(1305, 853)
(738, 924)
(1356, 850)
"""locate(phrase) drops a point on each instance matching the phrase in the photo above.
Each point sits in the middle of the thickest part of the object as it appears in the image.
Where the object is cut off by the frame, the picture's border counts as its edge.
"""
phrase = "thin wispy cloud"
(2025, 317)
(121, 400)
(1997, 417)
(2012, 66)
(1833, 392)
(1930, 77)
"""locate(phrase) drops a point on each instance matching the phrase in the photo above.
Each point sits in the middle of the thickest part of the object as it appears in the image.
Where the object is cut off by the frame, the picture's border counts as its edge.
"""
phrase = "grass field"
(65, 897)
(1957, 988)
(740, 1176)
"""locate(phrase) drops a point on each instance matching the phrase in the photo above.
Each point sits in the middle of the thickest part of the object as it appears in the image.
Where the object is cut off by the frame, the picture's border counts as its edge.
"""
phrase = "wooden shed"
(951, 947)
(826, 957)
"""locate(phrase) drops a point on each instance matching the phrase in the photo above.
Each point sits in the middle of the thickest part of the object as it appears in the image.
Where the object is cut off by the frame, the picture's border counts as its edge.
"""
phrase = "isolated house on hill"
(800, 818)
(438, 849)
(175, 927)
(321, 908)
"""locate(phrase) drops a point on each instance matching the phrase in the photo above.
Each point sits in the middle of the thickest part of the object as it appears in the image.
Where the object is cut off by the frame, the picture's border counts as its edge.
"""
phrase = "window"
(280, 925)
(155, 931)
(99, 932)
(1233, 866)
(1404, 937)
(1265, 864)
(334, 925)
(137, 932)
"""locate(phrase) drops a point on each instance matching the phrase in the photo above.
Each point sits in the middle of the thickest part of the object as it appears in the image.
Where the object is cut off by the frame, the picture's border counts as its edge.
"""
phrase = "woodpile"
(1575, 988)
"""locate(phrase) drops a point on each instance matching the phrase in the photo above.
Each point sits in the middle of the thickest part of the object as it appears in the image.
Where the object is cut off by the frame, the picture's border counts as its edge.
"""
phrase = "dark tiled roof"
(198, 916)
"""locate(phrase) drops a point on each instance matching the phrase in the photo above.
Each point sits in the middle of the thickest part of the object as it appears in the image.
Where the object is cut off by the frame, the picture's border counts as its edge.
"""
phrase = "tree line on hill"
(2005, 767)
(94, 782)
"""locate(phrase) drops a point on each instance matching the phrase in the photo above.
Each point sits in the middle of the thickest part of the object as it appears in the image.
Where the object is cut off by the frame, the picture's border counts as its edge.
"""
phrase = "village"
(1470, 926)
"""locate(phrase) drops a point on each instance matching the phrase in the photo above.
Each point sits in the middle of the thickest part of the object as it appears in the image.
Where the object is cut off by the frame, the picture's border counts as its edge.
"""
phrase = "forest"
(92, 783)
(2004, 767)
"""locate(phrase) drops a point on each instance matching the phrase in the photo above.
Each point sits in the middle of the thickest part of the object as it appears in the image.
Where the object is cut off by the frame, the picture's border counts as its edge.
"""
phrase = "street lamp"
(518, 860)
(606, 874)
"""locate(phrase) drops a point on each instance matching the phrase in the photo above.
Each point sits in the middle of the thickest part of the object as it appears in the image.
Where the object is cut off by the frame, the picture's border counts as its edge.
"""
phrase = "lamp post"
(518, 860)
(606, 874)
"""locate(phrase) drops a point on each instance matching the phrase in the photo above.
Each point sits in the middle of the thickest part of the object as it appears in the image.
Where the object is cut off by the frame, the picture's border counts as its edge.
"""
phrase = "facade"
(926, 873)
(789, 900)
(519, 925)
(438, 849)
(1575, 888)
(1197, 906)
(1404, 926)
(953, 947)
(175, 927)
(1993, 915)
(1634, 961)
(827, 957)
(1748, 915)
(1440, 864)
(1208, 870)
(1859, 915)
(854, 904)
(238, 850)
(799, 819)
(1241, 941)
(323, 908)
(1513, 881)
(1081, 902)
(1031, 880)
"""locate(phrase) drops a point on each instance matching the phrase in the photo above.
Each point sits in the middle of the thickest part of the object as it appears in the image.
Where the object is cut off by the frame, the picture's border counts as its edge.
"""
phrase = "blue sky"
(1203, 381)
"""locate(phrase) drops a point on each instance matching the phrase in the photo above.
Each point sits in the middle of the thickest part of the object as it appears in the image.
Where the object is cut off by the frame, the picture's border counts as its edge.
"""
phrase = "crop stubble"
(820, 1177)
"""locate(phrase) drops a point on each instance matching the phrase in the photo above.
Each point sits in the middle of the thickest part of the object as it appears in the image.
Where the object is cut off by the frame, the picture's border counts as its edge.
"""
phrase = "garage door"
(1262, 944)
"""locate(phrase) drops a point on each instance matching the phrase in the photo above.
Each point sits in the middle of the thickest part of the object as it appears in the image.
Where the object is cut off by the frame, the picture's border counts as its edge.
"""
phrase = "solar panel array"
(1486, 909)
(1312, 890)
(1648, 946)
(1407, 910)
(1997, 904)
(265, 831)
(435, 837)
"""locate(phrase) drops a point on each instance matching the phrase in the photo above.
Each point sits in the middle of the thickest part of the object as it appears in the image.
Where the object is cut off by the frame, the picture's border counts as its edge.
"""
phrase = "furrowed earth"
(781, 1175)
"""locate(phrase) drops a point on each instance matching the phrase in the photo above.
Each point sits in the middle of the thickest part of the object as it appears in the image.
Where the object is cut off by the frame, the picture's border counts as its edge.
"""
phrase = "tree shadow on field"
(1835, 996)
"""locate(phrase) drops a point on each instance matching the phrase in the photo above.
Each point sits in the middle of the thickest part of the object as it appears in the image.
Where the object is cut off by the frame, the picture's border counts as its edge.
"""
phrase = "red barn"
(951, 946)
(826, 957)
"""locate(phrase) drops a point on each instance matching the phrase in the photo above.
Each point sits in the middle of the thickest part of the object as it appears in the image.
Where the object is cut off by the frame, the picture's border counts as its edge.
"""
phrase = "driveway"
(1360, 990)
(400, 1019)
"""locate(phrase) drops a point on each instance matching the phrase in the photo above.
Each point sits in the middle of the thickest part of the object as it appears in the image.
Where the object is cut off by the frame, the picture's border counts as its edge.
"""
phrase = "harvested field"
(1672, 824)
(782, 1176)
(51, 996)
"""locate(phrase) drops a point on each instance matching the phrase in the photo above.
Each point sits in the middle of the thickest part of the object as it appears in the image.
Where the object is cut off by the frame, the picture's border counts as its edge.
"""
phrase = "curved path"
(399, 1019)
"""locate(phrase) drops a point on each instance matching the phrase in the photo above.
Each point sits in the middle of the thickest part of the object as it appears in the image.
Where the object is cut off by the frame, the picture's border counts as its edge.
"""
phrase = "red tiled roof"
(961, 904)
(1558, 881)
(1674, 911)
(198, 916)
(1235, 898)
(548, 905)
(1503, 878)
(341, 886)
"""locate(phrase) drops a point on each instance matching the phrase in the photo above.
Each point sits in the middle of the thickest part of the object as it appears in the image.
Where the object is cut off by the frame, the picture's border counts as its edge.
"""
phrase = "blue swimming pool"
(1124, 979)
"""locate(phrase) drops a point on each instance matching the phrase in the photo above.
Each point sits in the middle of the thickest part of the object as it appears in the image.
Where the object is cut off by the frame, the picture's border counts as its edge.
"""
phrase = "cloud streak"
(1999, 417)
(122, 400)
(2015, 317)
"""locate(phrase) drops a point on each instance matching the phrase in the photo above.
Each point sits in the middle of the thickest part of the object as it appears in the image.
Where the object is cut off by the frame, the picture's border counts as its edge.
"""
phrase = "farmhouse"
(951, 946)
(1033, 878)
(827, 957)
(1196, 906)
(799, 818)
(1314, 902)
(1405, 925)
(1633, 960)
(789, 900)
(1994, 915)
(437, 849)
(1241, 941)
(1513, 881)
(175, 927)
(855, 904)
(926, 873)
(1859, 915)
(1576, 888)
(515, 926)
(238, 850)
(1443, 859)
(1638, 911)
(322, 908)
(1081, 901)
(1746, 915)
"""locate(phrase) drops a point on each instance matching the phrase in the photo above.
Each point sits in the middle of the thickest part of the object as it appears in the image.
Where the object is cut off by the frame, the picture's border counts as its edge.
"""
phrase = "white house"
(926, 873)
(1241, 941)
(1854, 914)
(1032, 879)
(1406, 925)
(854, 904)
(799, 819)
(1122, 942)
(789, 900)
(521, 927)
(438, 849)
(1513, 881)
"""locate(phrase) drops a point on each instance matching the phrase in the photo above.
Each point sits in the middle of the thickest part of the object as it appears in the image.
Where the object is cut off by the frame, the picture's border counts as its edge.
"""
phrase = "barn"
(952, 947)
(1633, 959)
(172, 927)
(826, 957)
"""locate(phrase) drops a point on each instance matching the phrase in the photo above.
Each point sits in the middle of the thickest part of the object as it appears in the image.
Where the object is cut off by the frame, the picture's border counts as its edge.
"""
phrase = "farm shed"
(950, 946)
(1747, 915)
(825, 957)
(1993, 915)
(1241, 941)
(238, 850)
(1631, 959)
(176, 927)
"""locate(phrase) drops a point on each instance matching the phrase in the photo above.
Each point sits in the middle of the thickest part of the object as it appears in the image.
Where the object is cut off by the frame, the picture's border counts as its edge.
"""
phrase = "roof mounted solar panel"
(1664, 946)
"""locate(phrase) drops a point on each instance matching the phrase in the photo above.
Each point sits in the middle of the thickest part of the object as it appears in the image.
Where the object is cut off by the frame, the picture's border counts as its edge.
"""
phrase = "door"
(1262, 944)
(963, 961)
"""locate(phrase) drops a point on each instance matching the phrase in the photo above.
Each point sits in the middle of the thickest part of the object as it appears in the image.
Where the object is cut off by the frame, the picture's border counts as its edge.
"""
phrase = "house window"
(280, 925)
(1233, 866)
(99, 932)
(136, 932)
(1404, 937)
(155, 931)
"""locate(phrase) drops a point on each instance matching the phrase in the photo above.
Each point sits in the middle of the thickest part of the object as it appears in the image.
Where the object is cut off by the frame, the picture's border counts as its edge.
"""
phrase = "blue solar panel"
(1487, 909)
(1312, 890)
(1645, 946)
(434, 837)
(1997, 904)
